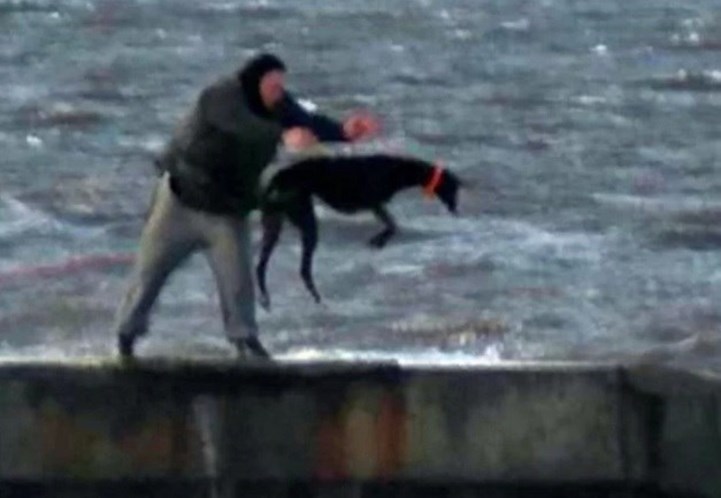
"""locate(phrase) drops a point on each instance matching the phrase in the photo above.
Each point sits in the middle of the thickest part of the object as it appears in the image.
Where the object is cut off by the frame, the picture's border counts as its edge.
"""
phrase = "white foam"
(600, 49)
(462, 34)
(469, 239)
(658, 204)
(308, 105)
(592, 100)
(522, 24)
(97, 353)
(148, 143)
(34, 141)
(401, 269)
(430, 356)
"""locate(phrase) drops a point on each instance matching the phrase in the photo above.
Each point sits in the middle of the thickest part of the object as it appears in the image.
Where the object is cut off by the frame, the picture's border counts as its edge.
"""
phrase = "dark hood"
(250, 75)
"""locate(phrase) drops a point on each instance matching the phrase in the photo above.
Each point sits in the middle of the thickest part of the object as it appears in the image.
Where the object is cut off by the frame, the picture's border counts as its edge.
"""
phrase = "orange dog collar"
(429, 189)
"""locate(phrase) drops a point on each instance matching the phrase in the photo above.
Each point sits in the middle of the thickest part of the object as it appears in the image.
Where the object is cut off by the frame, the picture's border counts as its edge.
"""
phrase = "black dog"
(347, 184)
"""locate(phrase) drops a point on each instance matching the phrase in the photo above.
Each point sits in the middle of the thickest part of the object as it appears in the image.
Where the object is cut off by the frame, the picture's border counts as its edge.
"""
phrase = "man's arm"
(293, 115)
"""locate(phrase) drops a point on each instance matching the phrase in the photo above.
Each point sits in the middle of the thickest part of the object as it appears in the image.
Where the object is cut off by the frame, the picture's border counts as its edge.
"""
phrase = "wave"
(257, 10)
(465, 246)
(426, 356)
(18, 219)
(678, 222)
(58, 114)
(693, 237)
(93, 351)
(684, 80)
(20, 6)
(72, 265)
(518, 25)
(681, 205)
(693, 41)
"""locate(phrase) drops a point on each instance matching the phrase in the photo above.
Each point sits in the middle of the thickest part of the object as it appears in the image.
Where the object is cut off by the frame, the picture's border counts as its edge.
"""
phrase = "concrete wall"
(345, 427)
(684, 427)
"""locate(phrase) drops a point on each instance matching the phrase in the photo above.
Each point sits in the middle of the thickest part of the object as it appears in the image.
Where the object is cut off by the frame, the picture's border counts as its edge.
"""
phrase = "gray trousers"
(173, 232)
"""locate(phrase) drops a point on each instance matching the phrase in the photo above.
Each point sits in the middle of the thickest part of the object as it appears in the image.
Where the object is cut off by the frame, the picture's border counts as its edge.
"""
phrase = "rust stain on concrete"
(83, 446)
(392, 435)
(331, 460)
(151, 447)
(65, 445)
(340, 454)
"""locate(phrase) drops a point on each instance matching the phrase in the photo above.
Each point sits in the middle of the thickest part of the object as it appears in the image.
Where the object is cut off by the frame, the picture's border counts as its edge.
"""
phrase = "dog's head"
(447, 190)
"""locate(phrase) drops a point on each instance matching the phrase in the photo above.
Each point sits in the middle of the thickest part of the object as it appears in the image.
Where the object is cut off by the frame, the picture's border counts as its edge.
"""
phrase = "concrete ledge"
(273, 489)
(685, 426)
(558, 425)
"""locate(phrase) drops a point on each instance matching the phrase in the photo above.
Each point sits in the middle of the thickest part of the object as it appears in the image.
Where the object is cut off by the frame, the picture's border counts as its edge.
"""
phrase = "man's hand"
(299, 138)
(360, 126)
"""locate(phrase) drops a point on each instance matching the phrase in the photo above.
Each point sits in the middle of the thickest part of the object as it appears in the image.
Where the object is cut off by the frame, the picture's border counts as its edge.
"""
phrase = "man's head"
(263, 80)
(272, 88)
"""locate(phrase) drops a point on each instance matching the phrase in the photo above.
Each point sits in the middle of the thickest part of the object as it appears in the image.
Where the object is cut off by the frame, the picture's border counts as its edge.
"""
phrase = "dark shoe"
(126, 345)
(251, 347)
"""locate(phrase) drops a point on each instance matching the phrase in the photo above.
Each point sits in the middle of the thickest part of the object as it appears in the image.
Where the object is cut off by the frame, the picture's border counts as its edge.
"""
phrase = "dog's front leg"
(381, 238)
(272, 222)
(303, 217)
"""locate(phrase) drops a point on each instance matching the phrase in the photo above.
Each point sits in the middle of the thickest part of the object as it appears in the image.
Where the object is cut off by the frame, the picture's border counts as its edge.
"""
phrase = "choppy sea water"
(588, 132)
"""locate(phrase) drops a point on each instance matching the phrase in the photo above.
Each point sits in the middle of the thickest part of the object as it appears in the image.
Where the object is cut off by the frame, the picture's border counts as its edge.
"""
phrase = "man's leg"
(164, 244)
(230, 257)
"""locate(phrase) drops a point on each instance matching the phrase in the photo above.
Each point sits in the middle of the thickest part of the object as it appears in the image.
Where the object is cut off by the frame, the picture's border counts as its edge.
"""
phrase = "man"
(209, 179)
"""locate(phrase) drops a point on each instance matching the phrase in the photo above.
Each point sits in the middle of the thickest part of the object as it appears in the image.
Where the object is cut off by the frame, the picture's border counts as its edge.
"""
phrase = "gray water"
(587, 131)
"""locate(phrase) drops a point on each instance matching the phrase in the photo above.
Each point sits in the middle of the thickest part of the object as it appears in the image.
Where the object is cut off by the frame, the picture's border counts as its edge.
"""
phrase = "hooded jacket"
(218, 152)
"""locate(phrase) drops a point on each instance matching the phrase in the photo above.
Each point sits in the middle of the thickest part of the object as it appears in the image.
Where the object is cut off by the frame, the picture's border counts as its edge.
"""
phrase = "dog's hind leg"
(381, 238)
(301, 214)
(272, 225)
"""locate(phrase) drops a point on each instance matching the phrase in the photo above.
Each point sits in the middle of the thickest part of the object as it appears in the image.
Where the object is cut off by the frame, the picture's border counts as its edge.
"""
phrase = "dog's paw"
(378, 242)
(264, 302)
(315, 294)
